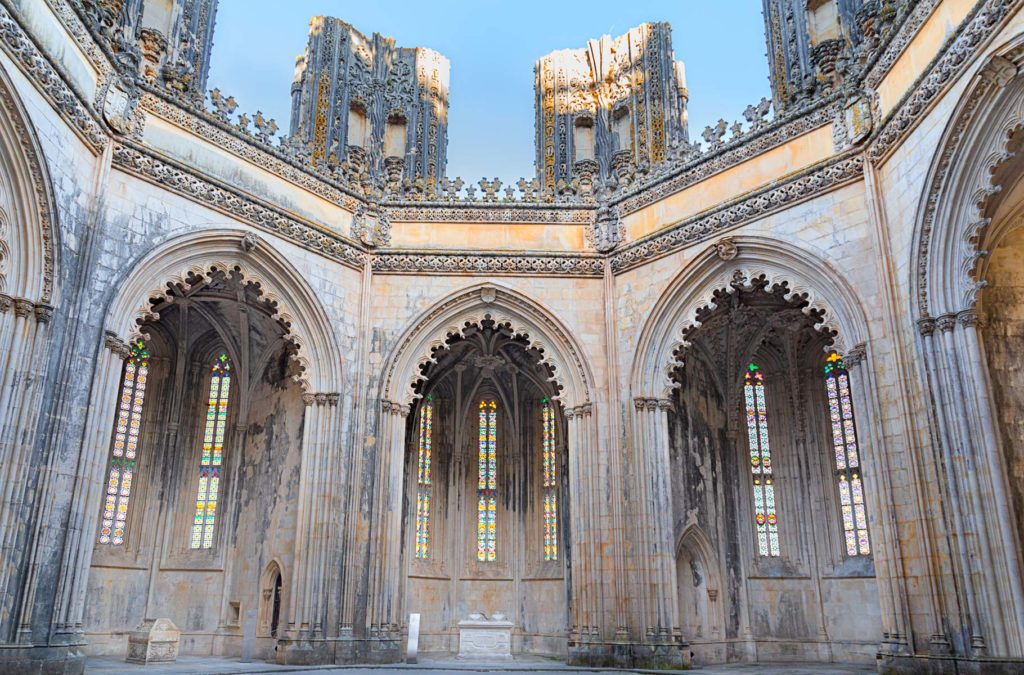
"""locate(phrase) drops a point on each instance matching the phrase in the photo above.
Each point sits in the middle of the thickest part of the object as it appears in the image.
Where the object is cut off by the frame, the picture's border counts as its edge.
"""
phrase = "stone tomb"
(484, 639)
(155, 641)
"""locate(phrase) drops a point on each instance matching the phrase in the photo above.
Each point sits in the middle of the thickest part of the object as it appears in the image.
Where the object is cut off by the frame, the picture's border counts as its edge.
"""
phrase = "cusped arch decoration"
(745, 260)
(952, 224)
(195, 257)
(27, 212)
(470, 307)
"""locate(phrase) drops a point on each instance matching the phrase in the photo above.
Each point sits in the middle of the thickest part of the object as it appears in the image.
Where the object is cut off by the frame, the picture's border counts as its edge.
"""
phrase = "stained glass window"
(125, 446)
(487, 484)
(550, 482)
(847, 456)
(213, 454)
(761, 463)
(423, 481)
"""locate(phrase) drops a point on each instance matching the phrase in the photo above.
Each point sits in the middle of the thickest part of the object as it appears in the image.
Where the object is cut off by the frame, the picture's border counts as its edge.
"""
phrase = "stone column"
(303, 642)
(90, 484)
(877, 476)
(659, 592)
(23, 341)
(588, 635)
(384, 601)
(996, 518)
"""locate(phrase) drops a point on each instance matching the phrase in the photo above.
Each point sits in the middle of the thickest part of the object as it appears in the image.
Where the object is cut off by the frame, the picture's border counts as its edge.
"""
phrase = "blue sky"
(492, 47)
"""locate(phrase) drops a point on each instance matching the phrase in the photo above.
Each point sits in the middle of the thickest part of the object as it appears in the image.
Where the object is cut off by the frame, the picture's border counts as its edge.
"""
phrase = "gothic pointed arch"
(506, 307)
(27, 212)
(192, 258)
(952, 233)
(735, 263)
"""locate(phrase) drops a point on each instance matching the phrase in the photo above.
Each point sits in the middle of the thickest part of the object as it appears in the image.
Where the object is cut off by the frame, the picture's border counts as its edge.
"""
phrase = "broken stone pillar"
(154, 642)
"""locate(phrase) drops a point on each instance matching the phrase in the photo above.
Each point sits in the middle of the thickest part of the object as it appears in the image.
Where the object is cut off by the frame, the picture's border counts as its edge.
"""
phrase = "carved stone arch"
(268, 587)
(28, 225)
(705, 594)
(805, 273)
(471, 306)
(187, 259)
(951, 233)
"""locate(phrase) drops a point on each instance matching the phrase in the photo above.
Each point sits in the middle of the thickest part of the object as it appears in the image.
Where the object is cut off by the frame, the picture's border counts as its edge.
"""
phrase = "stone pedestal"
(155, 641)
(483, 639)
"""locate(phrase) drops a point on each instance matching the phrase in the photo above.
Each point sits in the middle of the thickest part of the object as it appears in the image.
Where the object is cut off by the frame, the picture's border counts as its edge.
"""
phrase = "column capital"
(308, 399)
(392, 408)
(44, 313)
(946, 322)
(23, 308)
(926, 326)
(580, 411)
(856, 356)
(117, 345)
(969, 318)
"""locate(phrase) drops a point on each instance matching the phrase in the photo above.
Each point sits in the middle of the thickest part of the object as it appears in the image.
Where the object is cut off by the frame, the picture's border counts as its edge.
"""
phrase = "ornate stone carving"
(179, 179)
(116, 345)
(771, 199)
(371, 226)
(483, 263)
(725, 249)
(249, 242)
(607, 230)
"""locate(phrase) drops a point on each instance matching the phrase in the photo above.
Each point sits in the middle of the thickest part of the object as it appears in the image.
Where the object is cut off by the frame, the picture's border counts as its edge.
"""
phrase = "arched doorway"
(700, 606)
(486, 502)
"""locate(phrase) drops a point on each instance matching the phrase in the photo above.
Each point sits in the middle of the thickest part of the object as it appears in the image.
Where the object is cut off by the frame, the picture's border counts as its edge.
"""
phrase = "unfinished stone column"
(877, 476)
(661, 641)
(23, 339)
(84, 520)
(303, 642)
(383, 610)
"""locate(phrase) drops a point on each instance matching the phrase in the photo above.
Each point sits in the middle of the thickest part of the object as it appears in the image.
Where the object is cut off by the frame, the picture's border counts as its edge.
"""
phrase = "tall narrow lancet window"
(213, 454)
(423, 480)
(550, 482)
(844, 442)
(487, 484)
(761, 463)
(125, 447)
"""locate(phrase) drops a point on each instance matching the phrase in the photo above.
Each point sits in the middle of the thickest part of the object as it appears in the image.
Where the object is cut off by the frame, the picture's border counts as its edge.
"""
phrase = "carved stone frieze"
(179, 179)
(228, 137)
(760, 204)
(496, 213)
(423, 262)
(983, 22)
(777, 133)
(52, 85)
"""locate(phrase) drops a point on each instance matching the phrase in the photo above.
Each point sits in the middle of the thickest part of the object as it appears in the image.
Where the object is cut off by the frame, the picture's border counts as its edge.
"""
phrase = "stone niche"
(155, 641)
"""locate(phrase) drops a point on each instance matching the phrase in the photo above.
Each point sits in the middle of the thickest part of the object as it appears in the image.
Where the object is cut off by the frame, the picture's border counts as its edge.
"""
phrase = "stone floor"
(204, 665)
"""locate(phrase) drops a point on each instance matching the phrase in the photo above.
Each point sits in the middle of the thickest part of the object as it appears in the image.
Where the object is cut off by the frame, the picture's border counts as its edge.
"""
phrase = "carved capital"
(856, 356)
(23, 308)
(926, 326)
(664, 405)
(309, 399)
(6, 303)
(44, 313)
(333, 399)
(946, 322)
(321, 399)
(116, 345)
(969, 318)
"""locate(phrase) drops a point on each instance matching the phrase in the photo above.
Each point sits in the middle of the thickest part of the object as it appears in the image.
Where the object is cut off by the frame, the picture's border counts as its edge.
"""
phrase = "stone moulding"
(432, 262)
(775, 134)
(39, 68)
(226, 137)
(177, 178)
(440, 212)
(981, 25)
(904, 36)
(834, 174)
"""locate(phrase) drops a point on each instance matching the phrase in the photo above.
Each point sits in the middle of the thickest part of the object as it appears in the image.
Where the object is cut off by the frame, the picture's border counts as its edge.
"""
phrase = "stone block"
(155, 641)
(485, 639)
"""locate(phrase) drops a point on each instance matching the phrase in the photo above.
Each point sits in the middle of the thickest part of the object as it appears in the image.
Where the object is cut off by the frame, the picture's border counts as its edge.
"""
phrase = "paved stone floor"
(194, 665)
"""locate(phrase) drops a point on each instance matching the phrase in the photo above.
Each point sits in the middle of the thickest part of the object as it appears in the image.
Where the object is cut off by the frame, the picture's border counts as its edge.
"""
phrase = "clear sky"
(492, 47)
